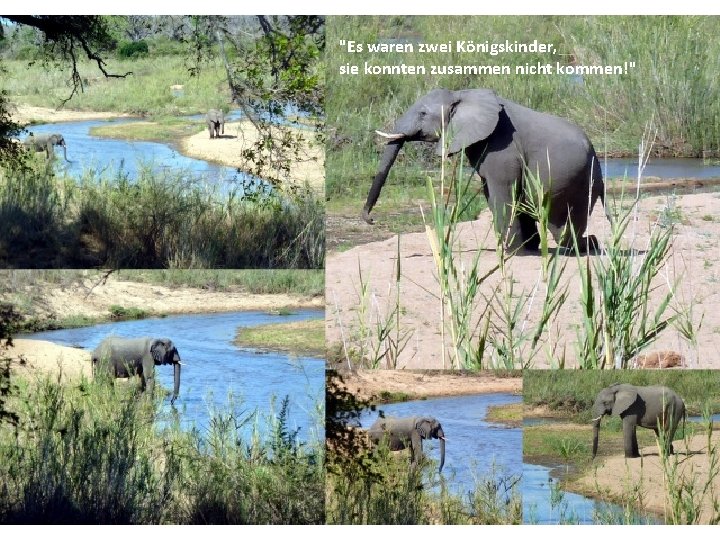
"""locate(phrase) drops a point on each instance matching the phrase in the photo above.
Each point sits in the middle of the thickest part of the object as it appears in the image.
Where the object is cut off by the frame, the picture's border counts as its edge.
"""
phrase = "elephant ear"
(423, 426)
(158, 350)
(623, 400)
(473, 118)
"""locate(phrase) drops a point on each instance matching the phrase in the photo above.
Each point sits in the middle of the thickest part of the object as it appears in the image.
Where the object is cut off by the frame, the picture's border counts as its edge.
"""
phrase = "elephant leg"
(416, 447)
(529, 232)
(630, 439)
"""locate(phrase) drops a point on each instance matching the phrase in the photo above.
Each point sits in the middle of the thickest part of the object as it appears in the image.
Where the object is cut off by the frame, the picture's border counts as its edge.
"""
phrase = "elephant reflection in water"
(402, 433)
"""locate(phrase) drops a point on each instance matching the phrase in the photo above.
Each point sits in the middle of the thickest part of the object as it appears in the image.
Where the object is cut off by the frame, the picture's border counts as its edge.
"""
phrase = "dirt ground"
(29, 357)
(88, 298)
(367, 383)
(694, 264)
(24, 114)
(616, 475)
(240, 136)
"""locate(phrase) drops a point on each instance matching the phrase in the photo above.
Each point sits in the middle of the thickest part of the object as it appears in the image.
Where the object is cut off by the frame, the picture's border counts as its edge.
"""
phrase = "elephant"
(401, 433)
(215, 123)
(652, 407)
(45, 142)
(504, 141)
(125, 357)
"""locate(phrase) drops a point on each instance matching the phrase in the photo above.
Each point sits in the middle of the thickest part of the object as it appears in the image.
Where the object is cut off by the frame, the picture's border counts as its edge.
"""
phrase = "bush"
(133, 49)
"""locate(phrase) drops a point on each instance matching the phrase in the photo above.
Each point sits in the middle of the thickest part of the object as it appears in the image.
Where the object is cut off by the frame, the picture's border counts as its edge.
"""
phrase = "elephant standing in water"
(45, 142)
(652, 407)
(125, 357)
(401, 433)
(504, 142)
(216, 123)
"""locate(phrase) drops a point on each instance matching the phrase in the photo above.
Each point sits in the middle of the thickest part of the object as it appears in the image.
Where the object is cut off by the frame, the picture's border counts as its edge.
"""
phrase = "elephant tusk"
(390, 136)
(443, 438)
(596, 419)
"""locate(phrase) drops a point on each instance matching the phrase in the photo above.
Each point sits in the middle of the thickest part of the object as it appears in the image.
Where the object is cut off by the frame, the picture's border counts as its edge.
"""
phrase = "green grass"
(303, 337)
(159, 220)
(164, 129)
(146, 90)
(573, 392)
(88, 453)
(506, 414)
(613, 110)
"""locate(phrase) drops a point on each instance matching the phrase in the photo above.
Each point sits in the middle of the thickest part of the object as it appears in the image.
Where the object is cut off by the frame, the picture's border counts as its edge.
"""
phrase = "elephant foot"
(632, 455)
(588, 245)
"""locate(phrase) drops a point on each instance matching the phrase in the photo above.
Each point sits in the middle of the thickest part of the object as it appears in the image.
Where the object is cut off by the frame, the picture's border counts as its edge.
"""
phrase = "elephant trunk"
(176, 386)
(391, 151)
(596, 435)
(442, 451)
(65, 152)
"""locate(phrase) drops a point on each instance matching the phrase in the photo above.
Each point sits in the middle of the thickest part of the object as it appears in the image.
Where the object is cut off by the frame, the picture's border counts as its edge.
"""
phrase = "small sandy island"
(240, 136)
(617, 475)
(34, 357)
(421, 384)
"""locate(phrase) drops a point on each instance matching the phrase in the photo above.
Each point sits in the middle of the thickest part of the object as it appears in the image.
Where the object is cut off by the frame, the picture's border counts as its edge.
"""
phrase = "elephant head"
(430, 428)
(163, 352)
(465, 117)
(615, 399)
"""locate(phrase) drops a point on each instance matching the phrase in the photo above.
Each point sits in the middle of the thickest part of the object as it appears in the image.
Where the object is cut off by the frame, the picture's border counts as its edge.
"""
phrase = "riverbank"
(29, 357)
(28, 114)
(240, 137)
(616, 477)
(412, 385)
(90, 299)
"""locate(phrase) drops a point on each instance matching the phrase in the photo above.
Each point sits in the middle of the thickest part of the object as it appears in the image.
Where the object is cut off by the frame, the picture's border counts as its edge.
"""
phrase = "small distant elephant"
(505, 142)
(652, 407)
(216, 123)
(125, 357)
(401, 433)
(45, 142)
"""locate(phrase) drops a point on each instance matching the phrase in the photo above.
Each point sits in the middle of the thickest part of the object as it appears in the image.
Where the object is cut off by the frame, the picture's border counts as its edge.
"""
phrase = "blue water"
(665, 168)
(544, 506)
(475, 448)
(87, 152)
(213, 367)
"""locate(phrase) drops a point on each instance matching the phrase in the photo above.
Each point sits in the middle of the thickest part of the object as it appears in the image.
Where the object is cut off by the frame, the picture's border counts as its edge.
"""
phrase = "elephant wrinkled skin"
(652, 407)
(216, 123)
(401, 433)
(504, 142)
(125, 357)
(45, 142)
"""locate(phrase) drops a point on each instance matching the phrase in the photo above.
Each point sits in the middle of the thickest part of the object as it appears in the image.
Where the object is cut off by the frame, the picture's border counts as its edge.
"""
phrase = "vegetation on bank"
(689, 492)
(301, 338)
(85, 453)
(573, 392)
(672, 84)
(169, 129)
(157, 220)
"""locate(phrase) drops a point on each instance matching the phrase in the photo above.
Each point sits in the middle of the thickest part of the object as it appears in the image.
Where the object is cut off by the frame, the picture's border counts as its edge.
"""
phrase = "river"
(215, 369)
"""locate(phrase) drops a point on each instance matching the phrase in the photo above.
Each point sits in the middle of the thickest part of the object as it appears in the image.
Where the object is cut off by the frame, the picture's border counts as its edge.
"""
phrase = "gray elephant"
(125, 357)
(652, 407)
(401, 433)
(45, 142)
(504, 141)
(216, 123)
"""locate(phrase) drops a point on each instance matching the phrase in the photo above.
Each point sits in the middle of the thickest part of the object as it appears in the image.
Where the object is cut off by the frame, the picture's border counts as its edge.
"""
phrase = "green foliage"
(133, 49)
(124, 314)
(90, 454)
(574, 391)
(157, 220)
